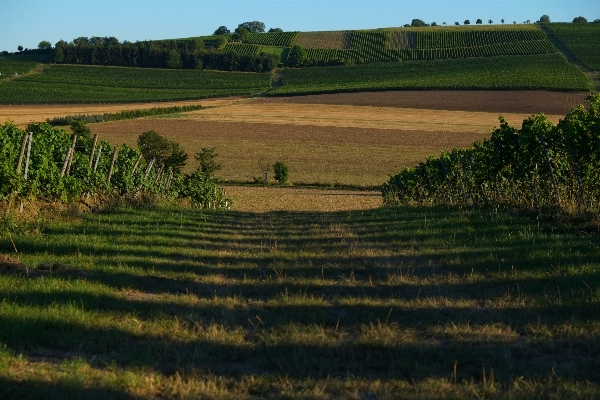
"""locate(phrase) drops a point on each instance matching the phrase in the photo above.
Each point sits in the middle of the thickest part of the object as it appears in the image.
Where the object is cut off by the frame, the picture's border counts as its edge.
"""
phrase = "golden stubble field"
(354, 139)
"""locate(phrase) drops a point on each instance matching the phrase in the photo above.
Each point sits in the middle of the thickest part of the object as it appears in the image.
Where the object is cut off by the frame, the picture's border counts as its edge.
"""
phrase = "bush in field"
(281, 172)
(208, 161)
(204, 192)
(579, 20)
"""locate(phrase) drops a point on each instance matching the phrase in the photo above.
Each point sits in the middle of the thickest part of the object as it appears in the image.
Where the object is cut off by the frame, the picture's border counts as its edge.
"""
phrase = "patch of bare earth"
(520, 102)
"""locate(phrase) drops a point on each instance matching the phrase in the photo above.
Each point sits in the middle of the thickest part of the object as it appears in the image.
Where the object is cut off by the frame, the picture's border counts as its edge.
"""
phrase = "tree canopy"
(296, 56)
(275, 30)
(162, 150)
(544, 19)
(253, 27)
(222, 30)
(418, 22)
(45, 45)
(579, 20)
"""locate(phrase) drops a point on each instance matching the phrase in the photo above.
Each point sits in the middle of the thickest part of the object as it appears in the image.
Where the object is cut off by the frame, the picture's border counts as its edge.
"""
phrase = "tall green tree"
(296, 56)
(579, 20)
(544, 19)
(418, 22)
(163, 151)
(45, 45)
(240, 34)
(208, 161)
(222, 30)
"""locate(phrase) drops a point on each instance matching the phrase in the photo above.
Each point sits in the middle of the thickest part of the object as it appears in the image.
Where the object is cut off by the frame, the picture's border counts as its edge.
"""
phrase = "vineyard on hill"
(582, 39)
(537, 166)
(546, 71)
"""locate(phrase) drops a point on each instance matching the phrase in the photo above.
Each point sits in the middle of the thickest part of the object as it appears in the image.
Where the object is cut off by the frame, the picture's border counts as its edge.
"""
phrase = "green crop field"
(11, 67)
(250, 49)
(582, 39)
(89, 84)
(550, 72)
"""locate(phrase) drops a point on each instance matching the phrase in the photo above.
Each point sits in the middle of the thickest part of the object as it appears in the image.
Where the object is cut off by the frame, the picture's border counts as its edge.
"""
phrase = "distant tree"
(275, 30)
(241, 34)
(296, 56)
(502, 20)
(490, 21)
(544, 19)
(45, 45)
(81, 41)
(20, 48)
(207, 159)
(110, 41)
(479, 21)
(514, 22)
(579, 20)
(253, 27)
(597, 21)
(417, 22)
(220, 42)
(434, 24)
(406, 25)
(444, 23)
(222, 30)
(162, 150)
(467, 22)
(174, 59)
(79, 128)
(457, 23)
(281, 172)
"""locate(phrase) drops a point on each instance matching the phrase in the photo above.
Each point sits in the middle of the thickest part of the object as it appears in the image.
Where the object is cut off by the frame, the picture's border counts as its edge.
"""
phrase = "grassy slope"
(306, 305)
(550, 72)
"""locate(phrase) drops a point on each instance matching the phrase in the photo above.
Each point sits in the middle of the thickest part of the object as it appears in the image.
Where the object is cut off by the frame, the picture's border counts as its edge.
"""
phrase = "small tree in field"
(479, 21)
(296, 56)
(207, 159)
(467, 22)
(281, 172)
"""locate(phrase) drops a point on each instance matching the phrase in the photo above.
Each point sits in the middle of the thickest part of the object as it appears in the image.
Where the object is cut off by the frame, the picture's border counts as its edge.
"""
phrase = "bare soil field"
(528, 102)
(314, 154)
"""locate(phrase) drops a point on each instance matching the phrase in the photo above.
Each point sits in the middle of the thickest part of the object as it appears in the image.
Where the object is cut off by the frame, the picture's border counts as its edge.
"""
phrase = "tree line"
(174, 54)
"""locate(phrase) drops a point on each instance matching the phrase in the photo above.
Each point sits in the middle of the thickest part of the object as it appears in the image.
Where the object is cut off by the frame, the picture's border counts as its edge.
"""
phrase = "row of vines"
(50, 164)
(537, 166)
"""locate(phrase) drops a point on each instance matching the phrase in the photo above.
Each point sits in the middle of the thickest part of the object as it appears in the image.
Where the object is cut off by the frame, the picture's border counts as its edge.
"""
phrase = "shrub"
(281, 172)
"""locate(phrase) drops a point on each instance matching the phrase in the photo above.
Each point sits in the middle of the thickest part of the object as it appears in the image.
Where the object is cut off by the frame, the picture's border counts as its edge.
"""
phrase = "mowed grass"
(388, 303)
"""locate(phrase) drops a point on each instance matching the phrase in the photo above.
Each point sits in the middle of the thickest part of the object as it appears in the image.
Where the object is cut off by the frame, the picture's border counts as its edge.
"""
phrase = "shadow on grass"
(403, 273)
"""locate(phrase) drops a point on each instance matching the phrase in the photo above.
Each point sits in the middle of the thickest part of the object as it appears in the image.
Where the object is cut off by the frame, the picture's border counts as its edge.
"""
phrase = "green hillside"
(582, 39)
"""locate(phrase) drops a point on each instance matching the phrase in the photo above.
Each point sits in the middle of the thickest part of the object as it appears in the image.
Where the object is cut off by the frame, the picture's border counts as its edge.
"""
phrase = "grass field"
(179, 303)
(582, 39)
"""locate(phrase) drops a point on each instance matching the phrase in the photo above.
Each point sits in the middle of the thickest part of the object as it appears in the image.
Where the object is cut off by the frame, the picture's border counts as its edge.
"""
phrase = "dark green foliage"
(275, 30)
(44, 45)
(479, 21)
(222, 30)
(208, 161)
(163, 151)
(467, 22)
(204, 191)
(579, 20)
(130, 174)
(417, 23)
(174, 59)
(539, 166)
(281, 172)
(296, 57)
(253, 27)
(79, 128)
(130, 114)
(240, 34)
(544, 19)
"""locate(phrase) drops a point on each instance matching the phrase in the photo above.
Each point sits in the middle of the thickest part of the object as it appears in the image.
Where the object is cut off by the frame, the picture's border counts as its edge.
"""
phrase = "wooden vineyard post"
(93, 150)
(27, 158)
(112, 163)
(68, 157)
(137, 163)
(98, 158)
(72, 155)
(17, 171)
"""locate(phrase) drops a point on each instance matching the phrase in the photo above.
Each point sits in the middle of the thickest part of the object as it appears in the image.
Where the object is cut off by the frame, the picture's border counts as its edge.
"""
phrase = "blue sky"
(27, 22)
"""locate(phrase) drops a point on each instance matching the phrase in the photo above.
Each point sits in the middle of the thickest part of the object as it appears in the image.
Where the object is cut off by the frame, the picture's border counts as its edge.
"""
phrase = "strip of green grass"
(92, 84)
(11, 67)
(548, 72)
(428, 302)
